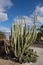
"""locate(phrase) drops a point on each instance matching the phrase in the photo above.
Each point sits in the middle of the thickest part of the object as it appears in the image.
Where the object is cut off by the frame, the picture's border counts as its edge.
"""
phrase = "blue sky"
(9, 9)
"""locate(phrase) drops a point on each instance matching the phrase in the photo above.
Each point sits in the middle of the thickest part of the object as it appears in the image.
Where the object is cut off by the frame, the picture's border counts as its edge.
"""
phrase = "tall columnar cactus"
(21, 40)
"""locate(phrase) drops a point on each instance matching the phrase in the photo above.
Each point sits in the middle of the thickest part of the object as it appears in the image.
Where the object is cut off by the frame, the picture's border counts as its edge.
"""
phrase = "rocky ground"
(39, 60)
(39, 45)
(40, 54)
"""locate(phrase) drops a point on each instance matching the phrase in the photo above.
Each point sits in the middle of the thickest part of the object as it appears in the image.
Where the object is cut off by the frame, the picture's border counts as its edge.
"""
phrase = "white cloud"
(40, 19)
(39, 10)
(3, 16)
(39, 13)
(28, 20)
(3, 5)
(4, 29)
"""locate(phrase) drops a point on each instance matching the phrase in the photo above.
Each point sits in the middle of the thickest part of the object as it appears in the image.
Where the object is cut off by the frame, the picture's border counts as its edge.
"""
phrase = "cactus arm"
(21, 41)
(31, 40)
(34, 33)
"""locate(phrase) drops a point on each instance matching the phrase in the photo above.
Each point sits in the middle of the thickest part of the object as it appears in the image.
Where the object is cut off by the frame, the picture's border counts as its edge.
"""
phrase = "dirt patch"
(7, 62)
(39, 45)
(39, 60)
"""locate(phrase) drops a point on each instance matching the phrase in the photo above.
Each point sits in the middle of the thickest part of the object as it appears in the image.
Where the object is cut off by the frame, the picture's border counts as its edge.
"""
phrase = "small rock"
(27, 63)
(30, 63)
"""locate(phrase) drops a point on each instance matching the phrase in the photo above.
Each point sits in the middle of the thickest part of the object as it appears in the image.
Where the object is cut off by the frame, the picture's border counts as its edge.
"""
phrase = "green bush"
(30, 56)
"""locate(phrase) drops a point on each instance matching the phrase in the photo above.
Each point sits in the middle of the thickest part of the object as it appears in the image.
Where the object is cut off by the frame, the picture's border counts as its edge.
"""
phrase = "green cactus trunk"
(21, 42)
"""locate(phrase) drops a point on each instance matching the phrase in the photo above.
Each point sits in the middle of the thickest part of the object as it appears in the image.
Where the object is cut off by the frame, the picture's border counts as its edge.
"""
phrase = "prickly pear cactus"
(22, 38)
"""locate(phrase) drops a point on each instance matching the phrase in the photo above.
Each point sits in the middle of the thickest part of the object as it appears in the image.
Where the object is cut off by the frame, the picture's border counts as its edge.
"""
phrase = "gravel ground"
(40, 54)
(39, 60)
(39, 45)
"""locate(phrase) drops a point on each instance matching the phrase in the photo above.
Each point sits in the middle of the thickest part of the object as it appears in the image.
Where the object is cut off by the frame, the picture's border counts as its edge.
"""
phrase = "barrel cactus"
(22, 37)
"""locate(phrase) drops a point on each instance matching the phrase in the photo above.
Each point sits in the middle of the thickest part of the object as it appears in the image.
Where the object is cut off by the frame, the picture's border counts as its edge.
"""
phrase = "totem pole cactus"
(21, 40)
